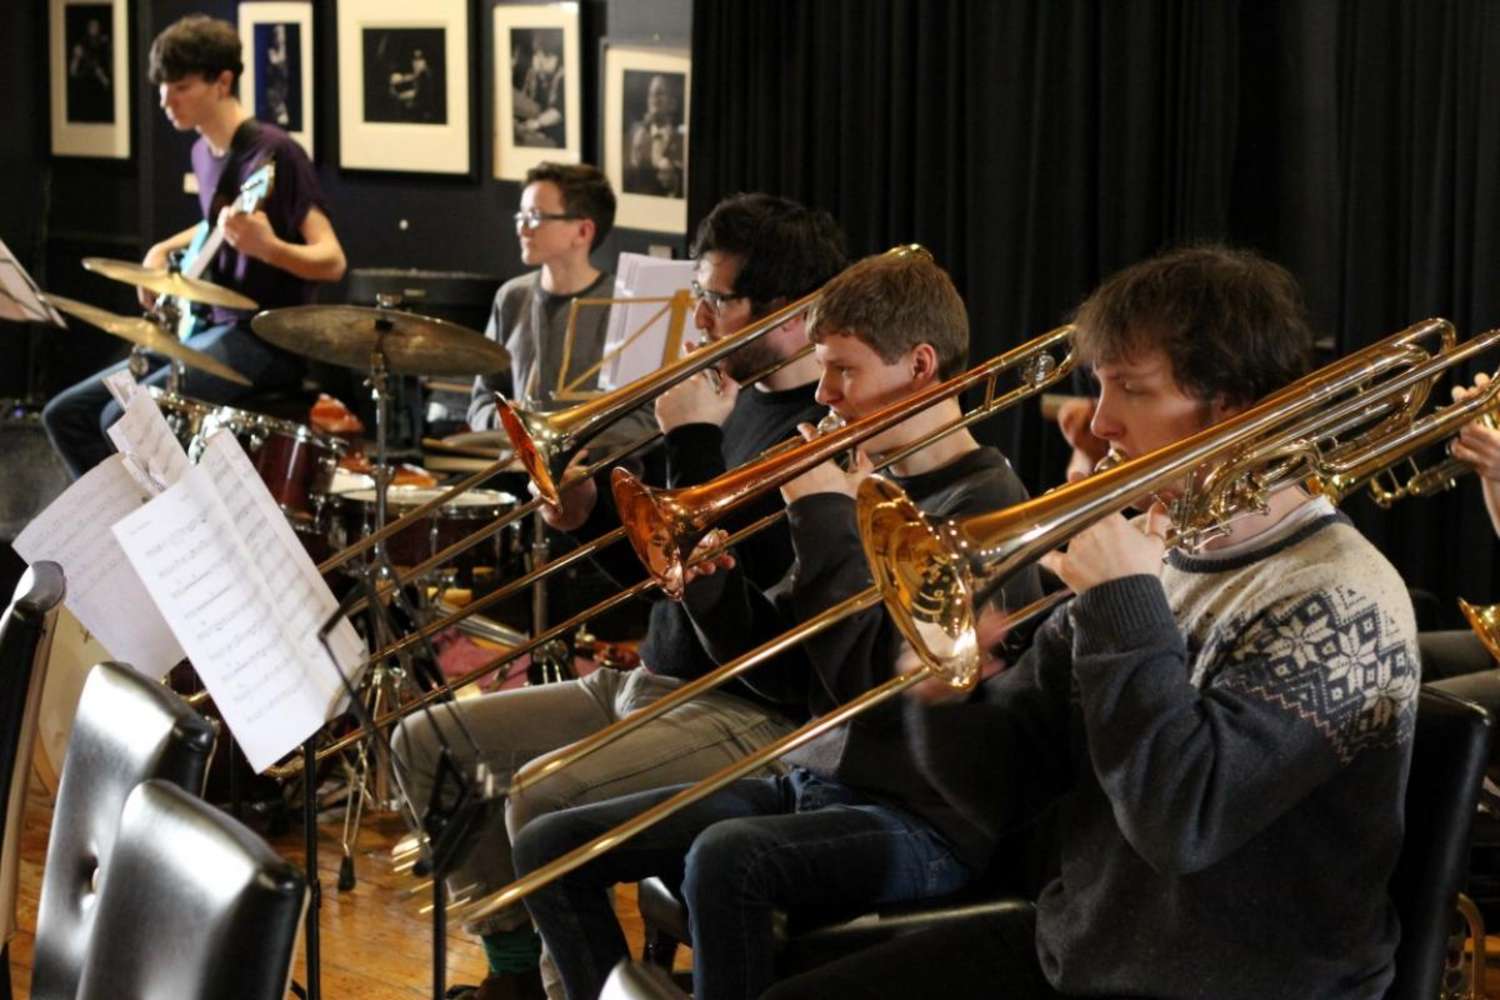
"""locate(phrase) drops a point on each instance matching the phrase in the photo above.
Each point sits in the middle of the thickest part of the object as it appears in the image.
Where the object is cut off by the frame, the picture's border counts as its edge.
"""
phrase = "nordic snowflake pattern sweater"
(1229, 747)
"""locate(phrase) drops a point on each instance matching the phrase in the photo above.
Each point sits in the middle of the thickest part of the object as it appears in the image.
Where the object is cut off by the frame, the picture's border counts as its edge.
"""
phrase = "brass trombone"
(929, 576)
(1037, 375)
(544, 443)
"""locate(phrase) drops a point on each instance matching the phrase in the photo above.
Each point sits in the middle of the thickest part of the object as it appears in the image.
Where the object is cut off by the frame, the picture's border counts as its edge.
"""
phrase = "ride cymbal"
(412, 344)
(147, 335)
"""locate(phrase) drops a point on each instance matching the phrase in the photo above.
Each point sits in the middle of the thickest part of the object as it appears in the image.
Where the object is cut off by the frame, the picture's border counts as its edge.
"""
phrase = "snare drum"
(295, 462)
(439, 529)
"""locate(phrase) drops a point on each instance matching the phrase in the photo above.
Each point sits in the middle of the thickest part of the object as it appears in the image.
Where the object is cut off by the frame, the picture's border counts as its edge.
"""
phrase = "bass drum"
(71, 653)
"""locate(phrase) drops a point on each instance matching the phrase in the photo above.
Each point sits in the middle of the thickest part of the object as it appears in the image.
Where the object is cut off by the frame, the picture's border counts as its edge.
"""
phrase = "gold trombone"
(930, 575)
(1039, 371)
(545, 443)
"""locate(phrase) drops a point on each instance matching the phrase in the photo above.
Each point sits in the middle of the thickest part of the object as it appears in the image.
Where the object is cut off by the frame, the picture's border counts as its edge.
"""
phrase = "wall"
(62, 209)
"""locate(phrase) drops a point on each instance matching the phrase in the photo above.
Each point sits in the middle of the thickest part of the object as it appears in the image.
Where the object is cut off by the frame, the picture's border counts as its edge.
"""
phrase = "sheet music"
(226, 571)
(640, 276)
(121, 386)
(104, 591)
(143, 437)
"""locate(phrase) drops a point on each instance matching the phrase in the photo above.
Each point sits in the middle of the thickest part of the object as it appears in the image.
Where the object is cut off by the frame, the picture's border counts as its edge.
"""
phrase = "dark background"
(1033, 145)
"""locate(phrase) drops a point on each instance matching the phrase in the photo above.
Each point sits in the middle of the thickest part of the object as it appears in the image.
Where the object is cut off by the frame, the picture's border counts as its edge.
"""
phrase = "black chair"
(1451, 748)
(127, 729)
(30, 614)
(185, 873)
(640, 981)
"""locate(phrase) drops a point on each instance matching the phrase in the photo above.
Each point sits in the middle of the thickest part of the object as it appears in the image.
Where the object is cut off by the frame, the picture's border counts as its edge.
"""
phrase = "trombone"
(929, 576)
(1039, 371)
(544, 443)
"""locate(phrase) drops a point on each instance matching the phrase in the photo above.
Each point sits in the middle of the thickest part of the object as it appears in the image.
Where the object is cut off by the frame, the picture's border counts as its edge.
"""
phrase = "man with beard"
(755, 254)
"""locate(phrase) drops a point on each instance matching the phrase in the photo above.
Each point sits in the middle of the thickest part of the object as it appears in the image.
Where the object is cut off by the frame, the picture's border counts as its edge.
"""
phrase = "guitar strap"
(240, 145)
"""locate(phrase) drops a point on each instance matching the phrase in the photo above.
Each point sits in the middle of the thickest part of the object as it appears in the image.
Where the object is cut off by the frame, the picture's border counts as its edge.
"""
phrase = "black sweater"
(870, 754)
(694, 454)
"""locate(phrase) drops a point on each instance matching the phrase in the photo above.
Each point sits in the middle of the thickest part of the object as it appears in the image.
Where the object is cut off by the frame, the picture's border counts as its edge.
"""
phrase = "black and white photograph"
(538, 85)
(403, 78)
(655, 136)
(279, 60)
(90, 95)
(278, 75)
(536, 103)
(91, 82)
(645, 134)
(404, 75)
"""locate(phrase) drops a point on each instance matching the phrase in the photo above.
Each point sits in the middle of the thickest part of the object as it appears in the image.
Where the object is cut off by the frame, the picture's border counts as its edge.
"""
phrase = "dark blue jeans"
(77, 417)
(761, 843)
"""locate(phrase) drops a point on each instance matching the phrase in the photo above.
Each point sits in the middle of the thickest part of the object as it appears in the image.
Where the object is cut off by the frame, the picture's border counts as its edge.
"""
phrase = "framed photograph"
(279, 55)
(90, 86)
(645, 134)
(537, 106)
(404, 85)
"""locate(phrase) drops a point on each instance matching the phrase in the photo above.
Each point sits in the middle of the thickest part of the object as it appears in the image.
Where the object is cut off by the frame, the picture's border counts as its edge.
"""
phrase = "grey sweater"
(532, 324)
(1229, 748)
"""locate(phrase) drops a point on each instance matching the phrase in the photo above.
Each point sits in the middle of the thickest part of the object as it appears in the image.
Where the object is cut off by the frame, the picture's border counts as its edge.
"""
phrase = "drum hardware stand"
(550, 662)
(448, 830)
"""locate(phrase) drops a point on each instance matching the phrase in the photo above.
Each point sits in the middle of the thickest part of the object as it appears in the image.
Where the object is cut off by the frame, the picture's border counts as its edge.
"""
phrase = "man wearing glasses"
(755, 254)
(566, 212)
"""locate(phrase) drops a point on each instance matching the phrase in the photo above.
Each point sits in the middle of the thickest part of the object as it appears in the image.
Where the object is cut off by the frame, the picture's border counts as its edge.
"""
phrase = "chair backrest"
(31, 613)
(640, 981)
(192, 905)
(128, 729)
(1449, 753)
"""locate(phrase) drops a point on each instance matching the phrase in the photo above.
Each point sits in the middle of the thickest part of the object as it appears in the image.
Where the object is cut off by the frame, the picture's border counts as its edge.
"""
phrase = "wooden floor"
(375, 944)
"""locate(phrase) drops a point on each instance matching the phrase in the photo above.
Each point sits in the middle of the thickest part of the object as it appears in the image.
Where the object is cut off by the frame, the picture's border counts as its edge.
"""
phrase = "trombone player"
(1226, 731)
(852, 822)
(755, 253)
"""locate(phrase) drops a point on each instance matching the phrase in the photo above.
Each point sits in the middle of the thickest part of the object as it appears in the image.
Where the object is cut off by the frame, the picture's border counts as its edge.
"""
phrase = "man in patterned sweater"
(1227, 733)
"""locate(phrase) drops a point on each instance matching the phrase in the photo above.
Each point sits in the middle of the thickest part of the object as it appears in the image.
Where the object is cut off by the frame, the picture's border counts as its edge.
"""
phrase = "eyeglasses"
(531, 218)
(716, 300)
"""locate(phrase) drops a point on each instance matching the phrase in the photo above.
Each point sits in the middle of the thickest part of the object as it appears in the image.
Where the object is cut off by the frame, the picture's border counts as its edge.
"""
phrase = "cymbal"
(146, 334)
(412, 344)
(165, 282)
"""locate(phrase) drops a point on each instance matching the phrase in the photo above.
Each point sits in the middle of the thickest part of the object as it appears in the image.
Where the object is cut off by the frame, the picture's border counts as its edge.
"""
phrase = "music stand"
(21, 302)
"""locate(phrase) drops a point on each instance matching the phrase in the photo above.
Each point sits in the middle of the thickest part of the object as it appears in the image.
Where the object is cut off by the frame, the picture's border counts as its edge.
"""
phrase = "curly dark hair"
(785, 249)
(196, 44)
(1232, 322)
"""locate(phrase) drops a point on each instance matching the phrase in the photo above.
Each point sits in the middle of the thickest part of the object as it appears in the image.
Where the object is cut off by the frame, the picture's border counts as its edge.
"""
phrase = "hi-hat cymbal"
(412, 344)
(145, 334)
(165, 282)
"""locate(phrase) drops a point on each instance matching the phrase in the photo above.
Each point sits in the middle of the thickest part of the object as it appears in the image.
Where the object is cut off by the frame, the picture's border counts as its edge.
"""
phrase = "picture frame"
(88, 42)
(538, 79)
(280, 54)
(646, 93)
(404, 82)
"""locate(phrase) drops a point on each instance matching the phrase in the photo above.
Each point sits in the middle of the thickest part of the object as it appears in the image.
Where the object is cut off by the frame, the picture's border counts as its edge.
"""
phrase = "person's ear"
(924, 364)
(586, 229)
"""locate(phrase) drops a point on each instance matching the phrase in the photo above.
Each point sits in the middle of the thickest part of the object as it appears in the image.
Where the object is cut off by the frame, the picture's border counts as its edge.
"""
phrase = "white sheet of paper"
(121, 385)
(142, 435)
(104, 591)
(227, 572)
(640, 276)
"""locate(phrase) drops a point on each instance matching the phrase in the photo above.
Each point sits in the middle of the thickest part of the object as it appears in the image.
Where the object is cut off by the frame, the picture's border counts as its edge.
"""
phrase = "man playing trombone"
(1226, 733)
(755, 253)
(853, 821)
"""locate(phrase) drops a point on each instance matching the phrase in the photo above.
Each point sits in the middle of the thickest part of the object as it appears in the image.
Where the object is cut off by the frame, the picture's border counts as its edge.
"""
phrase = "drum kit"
(300, 465)
(328, 504)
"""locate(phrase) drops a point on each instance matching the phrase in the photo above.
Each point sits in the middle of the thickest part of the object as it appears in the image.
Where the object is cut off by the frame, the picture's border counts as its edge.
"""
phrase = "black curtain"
(1035, 146)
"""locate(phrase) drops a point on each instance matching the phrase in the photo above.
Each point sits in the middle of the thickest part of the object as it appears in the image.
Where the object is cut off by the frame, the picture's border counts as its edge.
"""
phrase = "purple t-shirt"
(294, 191)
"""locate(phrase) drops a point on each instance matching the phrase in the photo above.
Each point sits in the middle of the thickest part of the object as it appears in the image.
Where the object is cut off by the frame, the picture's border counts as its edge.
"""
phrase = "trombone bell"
(927, 591)
(534, 443)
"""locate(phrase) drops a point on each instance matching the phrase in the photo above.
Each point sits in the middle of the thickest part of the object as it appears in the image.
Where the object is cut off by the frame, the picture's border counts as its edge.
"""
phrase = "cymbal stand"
(460, 802)
(551, 662)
